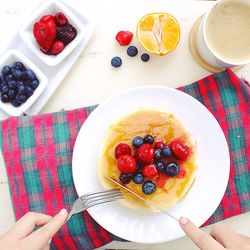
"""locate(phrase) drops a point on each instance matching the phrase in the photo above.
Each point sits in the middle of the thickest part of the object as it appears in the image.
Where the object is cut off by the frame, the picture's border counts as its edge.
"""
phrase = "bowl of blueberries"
(21, 83)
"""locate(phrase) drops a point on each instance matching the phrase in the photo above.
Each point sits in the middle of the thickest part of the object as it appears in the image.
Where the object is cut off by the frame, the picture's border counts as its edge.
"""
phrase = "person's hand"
(220, 237)
(22, 237)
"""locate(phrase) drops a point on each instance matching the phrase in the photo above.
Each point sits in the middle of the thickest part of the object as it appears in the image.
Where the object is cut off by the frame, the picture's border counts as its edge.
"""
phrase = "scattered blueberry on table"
(116, 61)
(132, 51)
(145, 57)
(17, 84)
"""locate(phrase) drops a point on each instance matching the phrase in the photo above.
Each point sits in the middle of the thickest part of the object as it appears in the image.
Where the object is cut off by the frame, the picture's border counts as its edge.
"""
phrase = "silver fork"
(93, 199)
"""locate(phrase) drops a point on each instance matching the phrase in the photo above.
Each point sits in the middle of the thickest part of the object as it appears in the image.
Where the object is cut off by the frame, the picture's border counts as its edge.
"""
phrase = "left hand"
(22, 237)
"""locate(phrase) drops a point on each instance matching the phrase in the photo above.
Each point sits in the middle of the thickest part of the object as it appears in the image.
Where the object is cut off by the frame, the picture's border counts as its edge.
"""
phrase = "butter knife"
(152, 204)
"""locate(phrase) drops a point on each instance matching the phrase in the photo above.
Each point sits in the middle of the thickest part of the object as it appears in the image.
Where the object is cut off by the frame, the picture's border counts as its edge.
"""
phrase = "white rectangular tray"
(54, 74)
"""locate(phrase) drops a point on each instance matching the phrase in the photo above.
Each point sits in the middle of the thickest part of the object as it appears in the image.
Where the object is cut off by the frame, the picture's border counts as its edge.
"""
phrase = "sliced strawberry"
(145, 153)
(150, 171)
(124, 37)
(126, 164)
(122, 149)
(45, 32)
(180, 149)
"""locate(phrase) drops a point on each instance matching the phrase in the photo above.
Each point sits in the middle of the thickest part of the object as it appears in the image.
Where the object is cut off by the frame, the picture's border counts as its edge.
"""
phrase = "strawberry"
(57, 47)
(180, 150)
(60, 19)
(149, 171)
(45, 32)
(124, 37)
(161, 179)
(126, 164)
(159, 145)
(145, 153)
(122, 149)
(182, 173)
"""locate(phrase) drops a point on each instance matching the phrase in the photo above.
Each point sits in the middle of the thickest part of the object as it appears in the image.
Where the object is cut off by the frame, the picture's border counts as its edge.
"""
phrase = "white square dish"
(9, 58)
(51, 8)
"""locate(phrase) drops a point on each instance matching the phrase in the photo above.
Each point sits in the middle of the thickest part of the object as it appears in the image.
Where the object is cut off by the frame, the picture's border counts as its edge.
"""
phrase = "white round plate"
(212, 159)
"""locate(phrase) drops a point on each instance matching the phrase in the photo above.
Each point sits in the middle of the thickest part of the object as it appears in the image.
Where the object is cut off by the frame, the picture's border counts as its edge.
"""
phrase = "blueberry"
(149, 139)
(21, 98)
(30, 75)
(9, 78)
(132, 51)
(17, 74)
(19, 83)
(160, 166)
(138, 166)
(11, 94)
(148, 187)
(12, 70)
(138, 178)
(2, 84)
(172, 169)
(157, 154)
(21, 90)
(125, 178)
(34, 84)
(29, 91)
(12, 84)
(137, 141)
(166, 151)
(18, 65)
(145, 57)
(5, 98)
(116, 61)
(5, 89)
(6, 70)
(15, 103)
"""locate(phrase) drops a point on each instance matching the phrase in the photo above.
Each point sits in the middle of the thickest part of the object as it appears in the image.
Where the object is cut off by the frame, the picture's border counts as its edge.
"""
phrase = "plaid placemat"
(38, 152)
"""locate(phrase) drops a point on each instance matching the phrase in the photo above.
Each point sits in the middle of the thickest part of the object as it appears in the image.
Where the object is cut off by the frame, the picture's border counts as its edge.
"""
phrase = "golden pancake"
(164, 127)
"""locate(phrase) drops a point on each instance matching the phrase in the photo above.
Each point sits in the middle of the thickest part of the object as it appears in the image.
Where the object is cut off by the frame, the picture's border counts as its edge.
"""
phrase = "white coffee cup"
(225, 12)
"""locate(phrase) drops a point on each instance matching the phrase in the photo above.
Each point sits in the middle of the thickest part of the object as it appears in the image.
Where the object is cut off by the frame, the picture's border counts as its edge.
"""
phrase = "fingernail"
(50, 241)
(63, 211)
(183, 220)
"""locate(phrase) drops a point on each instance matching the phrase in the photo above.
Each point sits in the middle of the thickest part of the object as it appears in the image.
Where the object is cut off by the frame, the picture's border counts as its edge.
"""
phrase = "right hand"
(221, 237)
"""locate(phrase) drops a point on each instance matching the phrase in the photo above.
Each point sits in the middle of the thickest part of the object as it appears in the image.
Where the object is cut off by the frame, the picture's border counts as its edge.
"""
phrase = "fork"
(93, 199)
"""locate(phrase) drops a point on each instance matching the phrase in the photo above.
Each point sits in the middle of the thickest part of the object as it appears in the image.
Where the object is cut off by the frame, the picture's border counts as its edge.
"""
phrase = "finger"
(26, 224)
(43, 235)
(200, 238)
(225, 235)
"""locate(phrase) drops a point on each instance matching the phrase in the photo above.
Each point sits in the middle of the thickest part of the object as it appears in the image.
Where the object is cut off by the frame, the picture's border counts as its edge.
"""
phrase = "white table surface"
(92, 79)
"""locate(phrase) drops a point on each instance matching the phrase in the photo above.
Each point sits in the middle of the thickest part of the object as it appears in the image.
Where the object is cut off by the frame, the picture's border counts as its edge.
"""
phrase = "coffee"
(228, 30)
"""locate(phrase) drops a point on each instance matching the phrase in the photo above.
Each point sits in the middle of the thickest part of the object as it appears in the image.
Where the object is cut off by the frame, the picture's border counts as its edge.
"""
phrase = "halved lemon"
(159, 33)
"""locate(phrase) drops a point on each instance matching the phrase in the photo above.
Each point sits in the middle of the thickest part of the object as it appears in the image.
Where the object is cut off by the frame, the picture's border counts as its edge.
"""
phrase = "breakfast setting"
(125, 124)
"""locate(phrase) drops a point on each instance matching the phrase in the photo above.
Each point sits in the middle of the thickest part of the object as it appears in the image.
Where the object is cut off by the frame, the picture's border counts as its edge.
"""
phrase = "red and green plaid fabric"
(38, 152)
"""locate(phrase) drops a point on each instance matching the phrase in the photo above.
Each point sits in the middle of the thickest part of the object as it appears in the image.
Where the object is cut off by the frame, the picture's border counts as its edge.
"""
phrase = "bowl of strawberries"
(52, 32)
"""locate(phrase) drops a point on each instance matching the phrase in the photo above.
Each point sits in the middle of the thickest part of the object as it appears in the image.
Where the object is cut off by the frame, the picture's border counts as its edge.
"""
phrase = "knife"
(152, 204)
